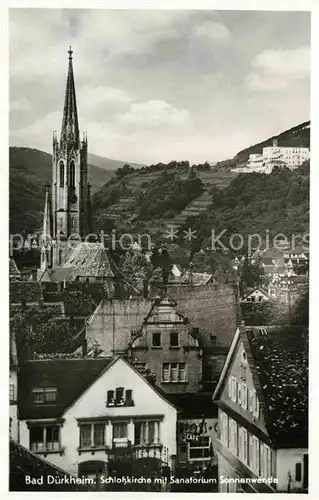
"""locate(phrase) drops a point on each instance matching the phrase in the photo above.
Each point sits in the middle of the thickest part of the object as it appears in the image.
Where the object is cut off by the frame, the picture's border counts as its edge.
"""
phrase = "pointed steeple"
(70, 125)
(46, 237)
(47, 217)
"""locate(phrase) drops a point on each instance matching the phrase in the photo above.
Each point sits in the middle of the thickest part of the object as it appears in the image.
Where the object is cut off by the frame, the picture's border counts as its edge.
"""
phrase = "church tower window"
(72, 174)
(61, 174)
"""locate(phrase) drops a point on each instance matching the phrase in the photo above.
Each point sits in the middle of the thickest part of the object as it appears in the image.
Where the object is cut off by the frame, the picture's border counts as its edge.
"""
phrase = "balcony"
(125, 448)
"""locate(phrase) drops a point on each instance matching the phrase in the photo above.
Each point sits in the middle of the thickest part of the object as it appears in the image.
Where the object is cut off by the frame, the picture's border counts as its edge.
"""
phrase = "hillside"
(298, 136)
(259, 204)
(108, 164)
(156, 196)
(29, 171)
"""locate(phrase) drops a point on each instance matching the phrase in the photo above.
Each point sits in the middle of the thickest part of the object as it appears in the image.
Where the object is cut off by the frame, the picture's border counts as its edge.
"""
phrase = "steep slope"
(298, 136)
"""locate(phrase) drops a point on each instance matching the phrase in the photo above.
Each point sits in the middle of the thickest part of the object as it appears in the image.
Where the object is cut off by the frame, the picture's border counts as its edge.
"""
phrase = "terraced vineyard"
(124, 212)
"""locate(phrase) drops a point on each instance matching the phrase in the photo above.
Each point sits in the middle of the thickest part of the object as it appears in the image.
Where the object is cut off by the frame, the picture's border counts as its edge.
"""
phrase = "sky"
(160, 85)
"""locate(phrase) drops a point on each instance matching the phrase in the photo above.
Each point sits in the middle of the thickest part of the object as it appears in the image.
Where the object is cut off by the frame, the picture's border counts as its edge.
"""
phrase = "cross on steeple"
(70, 52)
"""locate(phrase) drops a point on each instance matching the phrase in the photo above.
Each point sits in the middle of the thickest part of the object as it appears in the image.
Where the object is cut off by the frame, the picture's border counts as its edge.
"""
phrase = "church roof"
(70, 125)
(88, 260)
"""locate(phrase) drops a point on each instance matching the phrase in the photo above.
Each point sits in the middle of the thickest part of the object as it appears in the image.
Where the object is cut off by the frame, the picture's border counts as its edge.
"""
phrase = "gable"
(147, 401)
(239, 392)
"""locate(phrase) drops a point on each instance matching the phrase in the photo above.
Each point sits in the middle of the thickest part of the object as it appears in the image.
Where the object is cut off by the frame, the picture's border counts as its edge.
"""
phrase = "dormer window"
(45, 395)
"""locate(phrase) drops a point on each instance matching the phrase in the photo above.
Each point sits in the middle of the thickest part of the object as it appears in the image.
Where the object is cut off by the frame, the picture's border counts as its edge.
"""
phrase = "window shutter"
(250, 395)
(257, 408)
(230, 388)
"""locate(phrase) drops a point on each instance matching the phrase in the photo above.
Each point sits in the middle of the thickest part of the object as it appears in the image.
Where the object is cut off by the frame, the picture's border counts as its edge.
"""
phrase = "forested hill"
(298, 136)
(257, 203)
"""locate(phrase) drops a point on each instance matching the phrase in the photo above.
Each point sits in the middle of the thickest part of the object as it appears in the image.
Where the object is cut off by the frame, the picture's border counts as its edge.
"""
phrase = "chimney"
(275, 142)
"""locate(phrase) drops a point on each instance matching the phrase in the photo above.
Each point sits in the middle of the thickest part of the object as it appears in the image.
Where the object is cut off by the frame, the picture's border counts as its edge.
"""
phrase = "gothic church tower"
(70, 190)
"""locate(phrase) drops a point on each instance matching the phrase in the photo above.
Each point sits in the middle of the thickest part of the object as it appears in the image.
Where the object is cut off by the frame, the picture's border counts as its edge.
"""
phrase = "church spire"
(46, 237)
(70, 125)
(47, 217)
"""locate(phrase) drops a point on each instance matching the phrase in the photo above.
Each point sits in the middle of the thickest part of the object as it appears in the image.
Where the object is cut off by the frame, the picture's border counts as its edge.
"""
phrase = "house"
(256, 295)
(197, 427)
(94, 417)
(168, 348)
(262, 398)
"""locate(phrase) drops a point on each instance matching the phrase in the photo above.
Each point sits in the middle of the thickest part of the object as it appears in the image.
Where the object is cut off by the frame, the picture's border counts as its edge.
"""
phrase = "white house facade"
(117, 416)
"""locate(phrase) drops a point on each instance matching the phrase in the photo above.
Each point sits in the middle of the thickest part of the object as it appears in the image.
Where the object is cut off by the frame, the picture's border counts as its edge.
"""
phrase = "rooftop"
(280, 357)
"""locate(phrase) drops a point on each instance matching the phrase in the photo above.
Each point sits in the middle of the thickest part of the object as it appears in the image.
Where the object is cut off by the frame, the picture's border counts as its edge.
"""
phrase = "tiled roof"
(24, 463)
(196, 279)
(89, 260)
(281, 359)
(70, 376)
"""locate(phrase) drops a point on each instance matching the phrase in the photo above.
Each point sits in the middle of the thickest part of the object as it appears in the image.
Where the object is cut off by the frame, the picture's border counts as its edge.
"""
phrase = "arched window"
(72, 174)
(61, 174)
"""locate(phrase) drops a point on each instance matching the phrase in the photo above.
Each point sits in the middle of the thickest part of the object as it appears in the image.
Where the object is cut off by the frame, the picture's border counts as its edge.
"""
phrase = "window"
(61, 174)
(182, 372)
(232, 429)
(92, 435)
(45, 438)
(72, 174)
(199, 450)
(165, 372)
(44, 396)
(129, 397)
(174, 372)
(156, 339)
(146, 432)
(174, 341)
(11, 392)
(224, 428)
(110, 398)
(254, 454)
(244, 396)
(242, 444)
(265, 460)
(253, 403)
(119, 396)
(298, 472)
(232, 389)
(120, 430)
